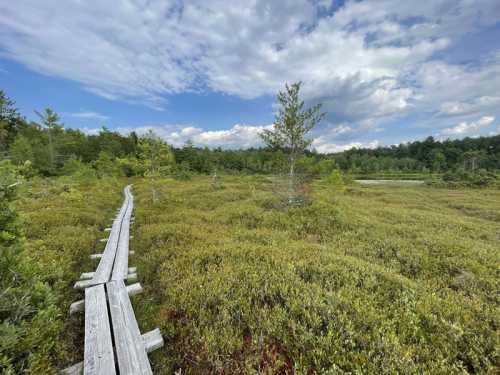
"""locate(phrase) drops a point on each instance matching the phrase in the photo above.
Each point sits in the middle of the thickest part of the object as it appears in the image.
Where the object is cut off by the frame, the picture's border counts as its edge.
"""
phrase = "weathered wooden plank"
(105, 267)
(129, 345)
(82, 284)
(131, 277)
(152, 340)
(134, 289)
(79, 305)
(76, 369)
(120, 268)
(86, 275)
(98, 351)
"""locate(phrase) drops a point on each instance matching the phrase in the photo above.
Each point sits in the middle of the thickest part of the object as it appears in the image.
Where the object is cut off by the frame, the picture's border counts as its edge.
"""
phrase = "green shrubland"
(360, 280)
(48, 229)
(369, 280)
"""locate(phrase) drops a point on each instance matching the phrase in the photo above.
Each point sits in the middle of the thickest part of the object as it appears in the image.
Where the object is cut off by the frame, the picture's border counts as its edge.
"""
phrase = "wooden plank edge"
(87, 275)
(82, 284)
(132, 271)
(132, 290)
(98, 345)
(153, 340)
(132, 277)
(76, 369)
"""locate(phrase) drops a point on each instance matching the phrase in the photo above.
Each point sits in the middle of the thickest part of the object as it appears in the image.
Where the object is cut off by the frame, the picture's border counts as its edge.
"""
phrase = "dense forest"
(47, 148)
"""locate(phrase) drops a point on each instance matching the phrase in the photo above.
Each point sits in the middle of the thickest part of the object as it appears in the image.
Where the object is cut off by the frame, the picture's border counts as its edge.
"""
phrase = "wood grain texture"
(79, 305)
(98, 351)
(129, 345)
(105, 267)
(105, 287)
(82, 284)
(120, 268)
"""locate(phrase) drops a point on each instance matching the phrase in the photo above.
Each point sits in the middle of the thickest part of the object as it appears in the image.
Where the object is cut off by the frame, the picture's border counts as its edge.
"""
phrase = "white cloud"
(459, 89)
(242, 136)
(88, 115)
(238, 136)
(474, 105)
(340, 137)
(468, 127)
(326, 148)
(368, 61)
(143, 49)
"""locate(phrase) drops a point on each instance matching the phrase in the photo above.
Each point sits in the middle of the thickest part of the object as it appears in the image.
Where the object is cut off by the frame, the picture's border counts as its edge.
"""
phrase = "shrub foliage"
(369, 280)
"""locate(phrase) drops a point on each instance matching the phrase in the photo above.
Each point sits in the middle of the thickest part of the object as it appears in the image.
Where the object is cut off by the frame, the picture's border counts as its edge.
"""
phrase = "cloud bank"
(370, 62)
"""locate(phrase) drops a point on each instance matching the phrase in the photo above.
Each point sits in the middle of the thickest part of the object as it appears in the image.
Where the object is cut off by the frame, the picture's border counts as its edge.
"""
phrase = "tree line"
(45, 147)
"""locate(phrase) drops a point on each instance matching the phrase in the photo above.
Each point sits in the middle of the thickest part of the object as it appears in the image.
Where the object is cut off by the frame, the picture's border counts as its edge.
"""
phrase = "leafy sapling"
(292, 123)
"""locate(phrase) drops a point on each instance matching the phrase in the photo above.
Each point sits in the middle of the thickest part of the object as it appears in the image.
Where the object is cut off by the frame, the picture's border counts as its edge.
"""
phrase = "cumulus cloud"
(137, 48)
(237, 136)
(327, 148)
(474, 105)
(367, 61)
(469, 127)
(462, 89)
(243, 136)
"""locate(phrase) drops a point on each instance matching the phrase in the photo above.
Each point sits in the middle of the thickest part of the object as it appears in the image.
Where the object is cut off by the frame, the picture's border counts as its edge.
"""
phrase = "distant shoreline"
(390, 182)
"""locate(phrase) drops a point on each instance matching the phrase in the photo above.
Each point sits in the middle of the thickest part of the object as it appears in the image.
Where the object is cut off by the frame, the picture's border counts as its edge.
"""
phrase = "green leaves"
(359, 282)
(292, 123)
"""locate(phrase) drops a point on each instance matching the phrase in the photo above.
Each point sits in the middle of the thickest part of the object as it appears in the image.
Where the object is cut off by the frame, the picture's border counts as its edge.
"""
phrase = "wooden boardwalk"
(113, 342)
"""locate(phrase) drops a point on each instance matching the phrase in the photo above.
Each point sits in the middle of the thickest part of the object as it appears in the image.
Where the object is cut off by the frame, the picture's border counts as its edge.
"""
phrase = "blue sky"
(386, 71)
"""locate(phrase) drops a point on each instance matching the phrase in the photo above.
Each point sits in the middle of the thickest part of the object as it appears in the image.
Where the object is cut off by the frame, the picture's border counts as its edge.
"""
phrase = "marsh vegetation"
(377, 279)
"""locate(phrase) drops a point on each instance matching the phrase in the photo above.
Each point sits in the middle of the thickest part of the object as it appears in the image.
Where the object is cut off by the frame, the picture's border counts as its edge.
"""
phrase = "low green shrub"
(462, 178)
(368, 281)
(49, 228)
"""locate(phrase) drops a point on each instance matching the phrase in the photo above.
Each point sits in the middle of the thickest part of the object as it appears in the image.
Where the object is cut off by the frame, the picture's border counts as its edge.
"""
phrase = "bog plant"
(375, 280)
(289, 133)
(48, 228)
(335, 180)
(479, 178)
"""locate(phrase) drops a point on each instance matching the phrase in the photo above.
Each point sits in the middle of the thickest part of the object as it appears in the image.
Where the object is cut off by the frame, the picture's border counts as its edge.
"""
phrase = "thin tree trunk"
(291, 180)
(51, 150)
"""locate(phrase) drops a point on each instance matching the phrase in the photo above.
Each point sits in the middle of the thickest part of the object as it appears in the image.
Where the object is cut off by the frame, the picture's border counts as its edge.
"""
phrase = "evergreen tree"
(21, 150)
(50, 121)
(291, 125)
(9, 121)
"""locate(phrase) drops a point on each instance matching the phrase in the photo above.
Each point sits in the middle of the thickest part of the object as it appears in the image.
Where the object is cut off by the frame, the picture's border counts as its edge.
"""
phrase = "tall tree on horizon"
(291, 125)
(50, 121)
(9, 121)
(157, 157)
